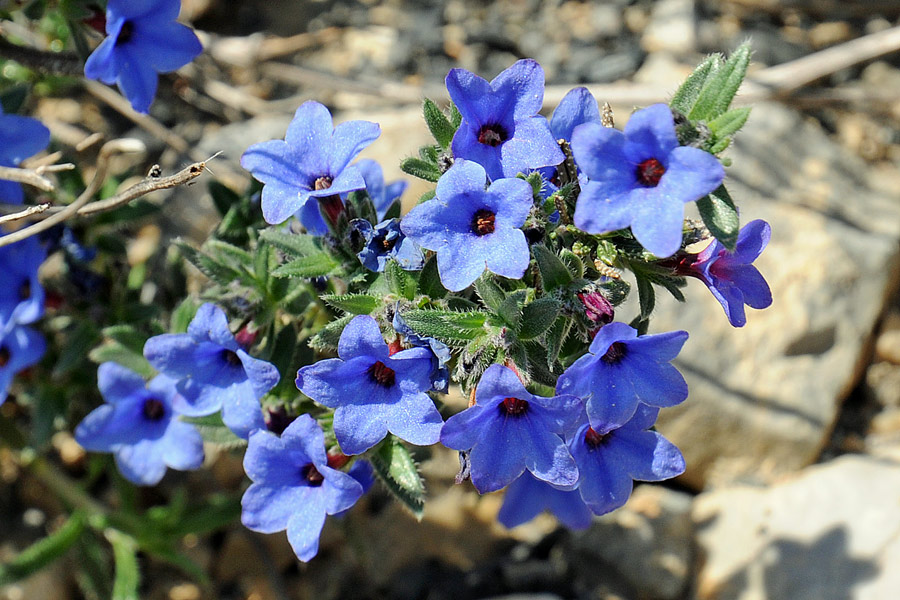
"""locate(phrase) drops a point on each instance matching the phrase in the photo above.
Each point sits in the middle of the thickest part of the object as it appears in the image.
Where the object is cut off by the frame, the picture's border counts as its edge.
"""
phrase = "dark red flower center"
(615, 354)
(650, 172)
(125, 33)
(323, 183)
(231, 357)
(483, 222)
(386, 244)
(514, 406)
(592, 438)
(311, 474)
(4, 356)
(381, 374)
(25, 290)
(492, 135)
(154, 410)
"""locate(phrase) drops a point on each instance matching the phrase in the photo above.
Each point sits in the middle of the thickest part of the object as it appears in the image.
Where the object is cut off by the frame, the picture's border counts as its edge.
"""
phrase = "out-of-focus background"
(792, 429)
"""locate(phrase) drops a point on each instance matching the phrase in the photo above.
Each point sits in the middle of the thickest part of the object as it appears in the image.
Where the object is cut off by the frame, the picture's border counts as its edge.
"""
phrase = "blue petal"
(182, 446)
(269, 460)
(166, 46)
(362, 337)
(652, 131)
(463, 430)
(118, 383)
(306, 435)
(460, 265)
(263, 376)
(273, 164)
(210, 323)
(576, 108)
(523, 85)
(305, 526)
(340, 489)
(508, 254)
(602, 207)
(465, 146)
(499, 457)
(21, 137)
(162, 10)
(655, 383)
(415, 419)
(523, 500)
(241, 410)
(690, 174)
(463, 177)
(532, 146)
(659, 346)
(604, 484)
(11, 192)
(600, 153)
(141, 463)
(472, 96)
(644, 455)
(267, 509)
(349, 140)
(329, 381)
(608, 334)
(547, 456)
(657, 220)
(753, 286)
(499, 381)
(137, 80)
(511, 201)
(358, 428)
(752, 240)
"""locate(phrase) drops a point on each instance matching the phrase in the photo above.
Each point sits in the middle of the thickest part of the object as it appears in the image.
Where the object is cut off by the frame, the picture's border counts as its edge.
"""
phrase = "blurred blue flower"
(312, 162)
(509, 430)
(471, 228)
(621, 370)
(21, 295)
(143, 39)
(501, 128)
(213, 371)
(382, 196)
(731, 276)
(372, 391)
(20, 348)
(385, 241)
(20, 137)
(608, 462)
(527, 497)
(139, 425)
(641, 178)
(293, 486)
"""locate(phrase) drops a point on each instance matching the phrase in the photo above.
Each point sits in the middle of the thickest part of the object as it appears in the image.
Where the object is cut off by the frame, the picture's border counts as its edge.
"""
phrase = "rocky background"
(792, 429)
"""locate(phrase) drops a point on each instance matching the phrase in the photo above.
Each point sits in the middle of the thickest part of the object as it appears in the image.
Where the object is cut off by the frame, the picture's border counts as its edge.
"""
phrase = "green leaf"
(429, 195)
(720, 216)
(44, 551)
(553, 271)
(292, 244)
(448, 326)
(538, 317)
(183, 315)
(455, 116)
(355, 304)
(128, 576)
(403, 283)
(490, 293)
(328, 336)
(227, 254)
(730, 122)
(646, 296)
(720, 89)
(397, 469)
(127, 336)
(421, 169)
(217, 272)
(223, 197)
(438, 124)
(214, 431)
(573, 263)
(112, 351)
(429, 153)
(687, 94)
(314, 265)
(556, 337)
(510, 310)
(430, 280)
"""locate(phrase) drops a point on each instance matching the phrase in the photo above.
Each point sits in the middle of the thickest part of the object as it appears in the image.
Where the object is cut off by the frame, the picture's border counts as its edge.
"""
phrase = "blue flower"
(501, 129)
(20, 137)
(731, 276)
(527, 497)
(509, 430)
(608, 462)
(139, 425)
(214, 372)
(312, 162)
(440, 374)
(471, 228)
(21, 295)
(372, 391)
(382, 196)
(386, 241)
(293, 486)
(142, 40)
(621, 370)
(20, 348)
(641, 178)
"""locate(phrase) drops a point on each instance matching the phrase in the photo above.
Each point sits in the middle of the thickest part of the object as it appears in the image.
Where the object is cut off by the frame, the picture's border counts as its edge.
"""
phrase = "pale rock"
(672, 27)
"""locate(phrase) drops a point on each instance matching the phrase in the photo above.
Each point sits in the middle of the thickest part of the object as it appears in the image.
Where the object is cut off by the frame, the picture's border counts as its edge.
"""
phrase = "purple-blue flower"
(471, 228)
(21, 295)
(213, 371)
(527, 497)
(311, 163)
(372, 391)
(731, 276)
(382, 195)
(509, 430)
(385, 241)
(20, 348)
(20, 137)
(501, 128)
(139, 425)
(622, 370)
(293, 486)
(641, 178)
(608, 462)
(143, 39)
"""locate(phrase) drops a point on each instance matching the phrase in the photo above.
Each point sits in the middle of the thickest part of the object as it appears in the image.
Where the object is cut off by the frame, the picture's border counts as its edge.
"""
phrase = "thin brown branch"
(24, 214)
(59, 63)
(27, 176)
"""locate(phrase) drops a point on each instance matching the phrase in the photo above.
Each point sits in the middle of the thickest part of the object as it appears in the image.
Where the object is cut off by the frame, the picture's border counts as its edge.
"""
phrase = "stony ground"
(792, 430)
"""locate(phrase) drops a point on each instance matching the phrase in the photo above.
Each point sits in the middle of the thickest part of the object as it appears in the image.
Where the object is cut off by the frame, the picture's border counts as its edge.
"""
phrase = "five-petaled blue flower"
(731, 276)
(372, 391)
(382, 195)
(142, 40)
(293, 486)
(312, 162)
(509, 430)
(527, 497)
(621, 370)
(501, 128)
(641, 178)
(608, 462)
(139, 425)
(213, 371)
(21, 295)
(20, 137)
(385, 241)
(471, 228)
(20, 348)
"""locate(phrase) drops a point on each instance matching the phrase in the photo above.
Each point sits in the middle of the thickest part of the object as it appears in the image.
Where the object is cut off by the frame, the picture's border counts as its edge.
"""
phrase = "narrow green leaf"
(730, 122)
(490, 293)
(403, 283)
(438, 124)
(217, 272)
(294, 245)
(646, 296)
(183, 315)
(687, 94)
(214, 431)
(720, 216)
(356, 304)
(328, 336)
(556, 337)
(112, 351)
(720, 89)
(510, 310)
(314, 265)
(128, 576)
(44, 551)
(448, 326)
(553, 272)
(573, 263)
(538, 317)
(429, 153)
(127, 336)
(397, 469)
(430, 280)
(421, 169)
